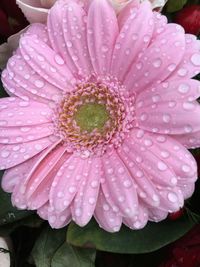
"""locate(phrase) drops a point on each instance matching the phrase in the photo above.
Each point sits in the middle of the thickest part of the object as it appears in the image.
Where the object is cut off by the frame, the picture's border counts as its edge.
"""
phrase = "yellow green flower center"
(91, 116)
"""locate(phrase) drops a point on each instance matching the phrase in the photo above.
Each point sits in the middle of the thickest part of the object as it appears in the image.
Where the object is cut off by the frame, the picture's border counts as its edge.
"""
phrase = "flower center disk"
(91, 116)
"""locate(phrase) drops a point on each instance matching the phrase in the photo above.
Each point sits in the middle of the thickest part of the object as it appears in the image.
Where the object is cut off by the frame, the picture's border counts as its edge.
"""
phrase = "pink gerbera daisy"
(100, 115)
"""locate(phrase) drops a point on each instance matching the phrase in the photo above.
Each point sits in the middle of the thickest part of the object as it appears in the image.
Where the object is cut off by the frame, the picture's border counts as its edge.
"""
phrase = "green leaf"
(68, 256)
(153, 237)
(175, 5)
(9, 214)
(51, 250)
(47, 244)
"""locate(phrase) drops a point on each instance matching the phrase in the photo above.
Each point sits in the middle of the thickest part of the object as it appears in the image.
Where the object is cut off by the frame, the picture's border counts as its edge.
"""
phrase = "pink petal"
(38, 183)
(43, 211)
(158, 60)
(189, 140)
(169, 92)
(186, 188)
(13, 176)
(85, 200)
(160, 24)
(157, 215)
(105, 216)
(21, 80)
(145, 187)
(170, 118)
(19, 198)
(46, 62)
(59, 220)
(39, 30)
(56, 34)
(161, 156)
(17, 112)
(32, 12)
(139, 221)
(102, 18)
(75, 34)
(118, 186)
(14, 154)
(190, 64)
(56, 220)
(129, 43)
(126, 12)
(66, 182)
(15, 135)
(173, 154)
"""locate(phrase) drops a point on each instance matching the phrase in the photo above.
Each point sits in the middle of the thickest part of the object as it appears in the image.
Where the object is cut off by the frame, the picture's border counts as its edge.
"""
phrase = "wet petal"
(102, 18)
(16, 135)
(17, 112)
(75, 34)
(158, 61)
(22, 171)
(66, 182)
(85, 200)
(139, 221)
(105, 216)
(133, 38)
(118, 186)
(59, 220)
(55, 23)
(189, 140)
(46, 62)
(38, 183)
(172, 117)
(14, 154)
(190, 64)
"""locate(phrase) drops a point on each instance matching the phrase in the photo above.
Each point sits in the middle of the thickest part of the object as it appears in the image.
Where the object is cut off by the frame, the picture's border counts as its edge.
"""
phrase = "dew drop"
(162, 166)
(59, 60)
(5, 154)
(69, 44)
(171, 67)
(166, 118)
(157, 63)
(196, 59)
(39, 83)
(186, 168)
(172, 197)
(183, 88)
(104, 49)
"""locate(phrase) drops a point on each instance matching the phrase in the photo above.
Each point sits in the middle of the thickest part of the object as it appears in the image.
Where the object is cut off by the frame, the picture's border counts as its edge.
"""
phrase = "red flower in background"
(189, 18)
(12, 19)
(186, 251)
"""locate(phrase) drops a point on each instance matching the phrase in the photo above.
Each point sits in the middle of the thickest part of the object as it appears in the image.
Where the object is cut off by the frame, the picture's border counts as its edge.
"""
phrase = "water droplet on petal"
(186, 168)
(172, 197)
(157, 63)
(162, 166)
(39, 83)
(69, 44)
(196, 59)
(5, 154)
(104, 49)
(183, 88)
(59, 60)
(171, 67)
(166, 118)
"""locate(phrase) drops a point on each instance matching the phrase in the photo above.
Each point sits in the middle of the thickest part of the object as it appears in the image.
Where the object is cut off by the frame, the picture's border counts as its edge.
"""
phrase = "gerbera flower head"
(102, 109)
